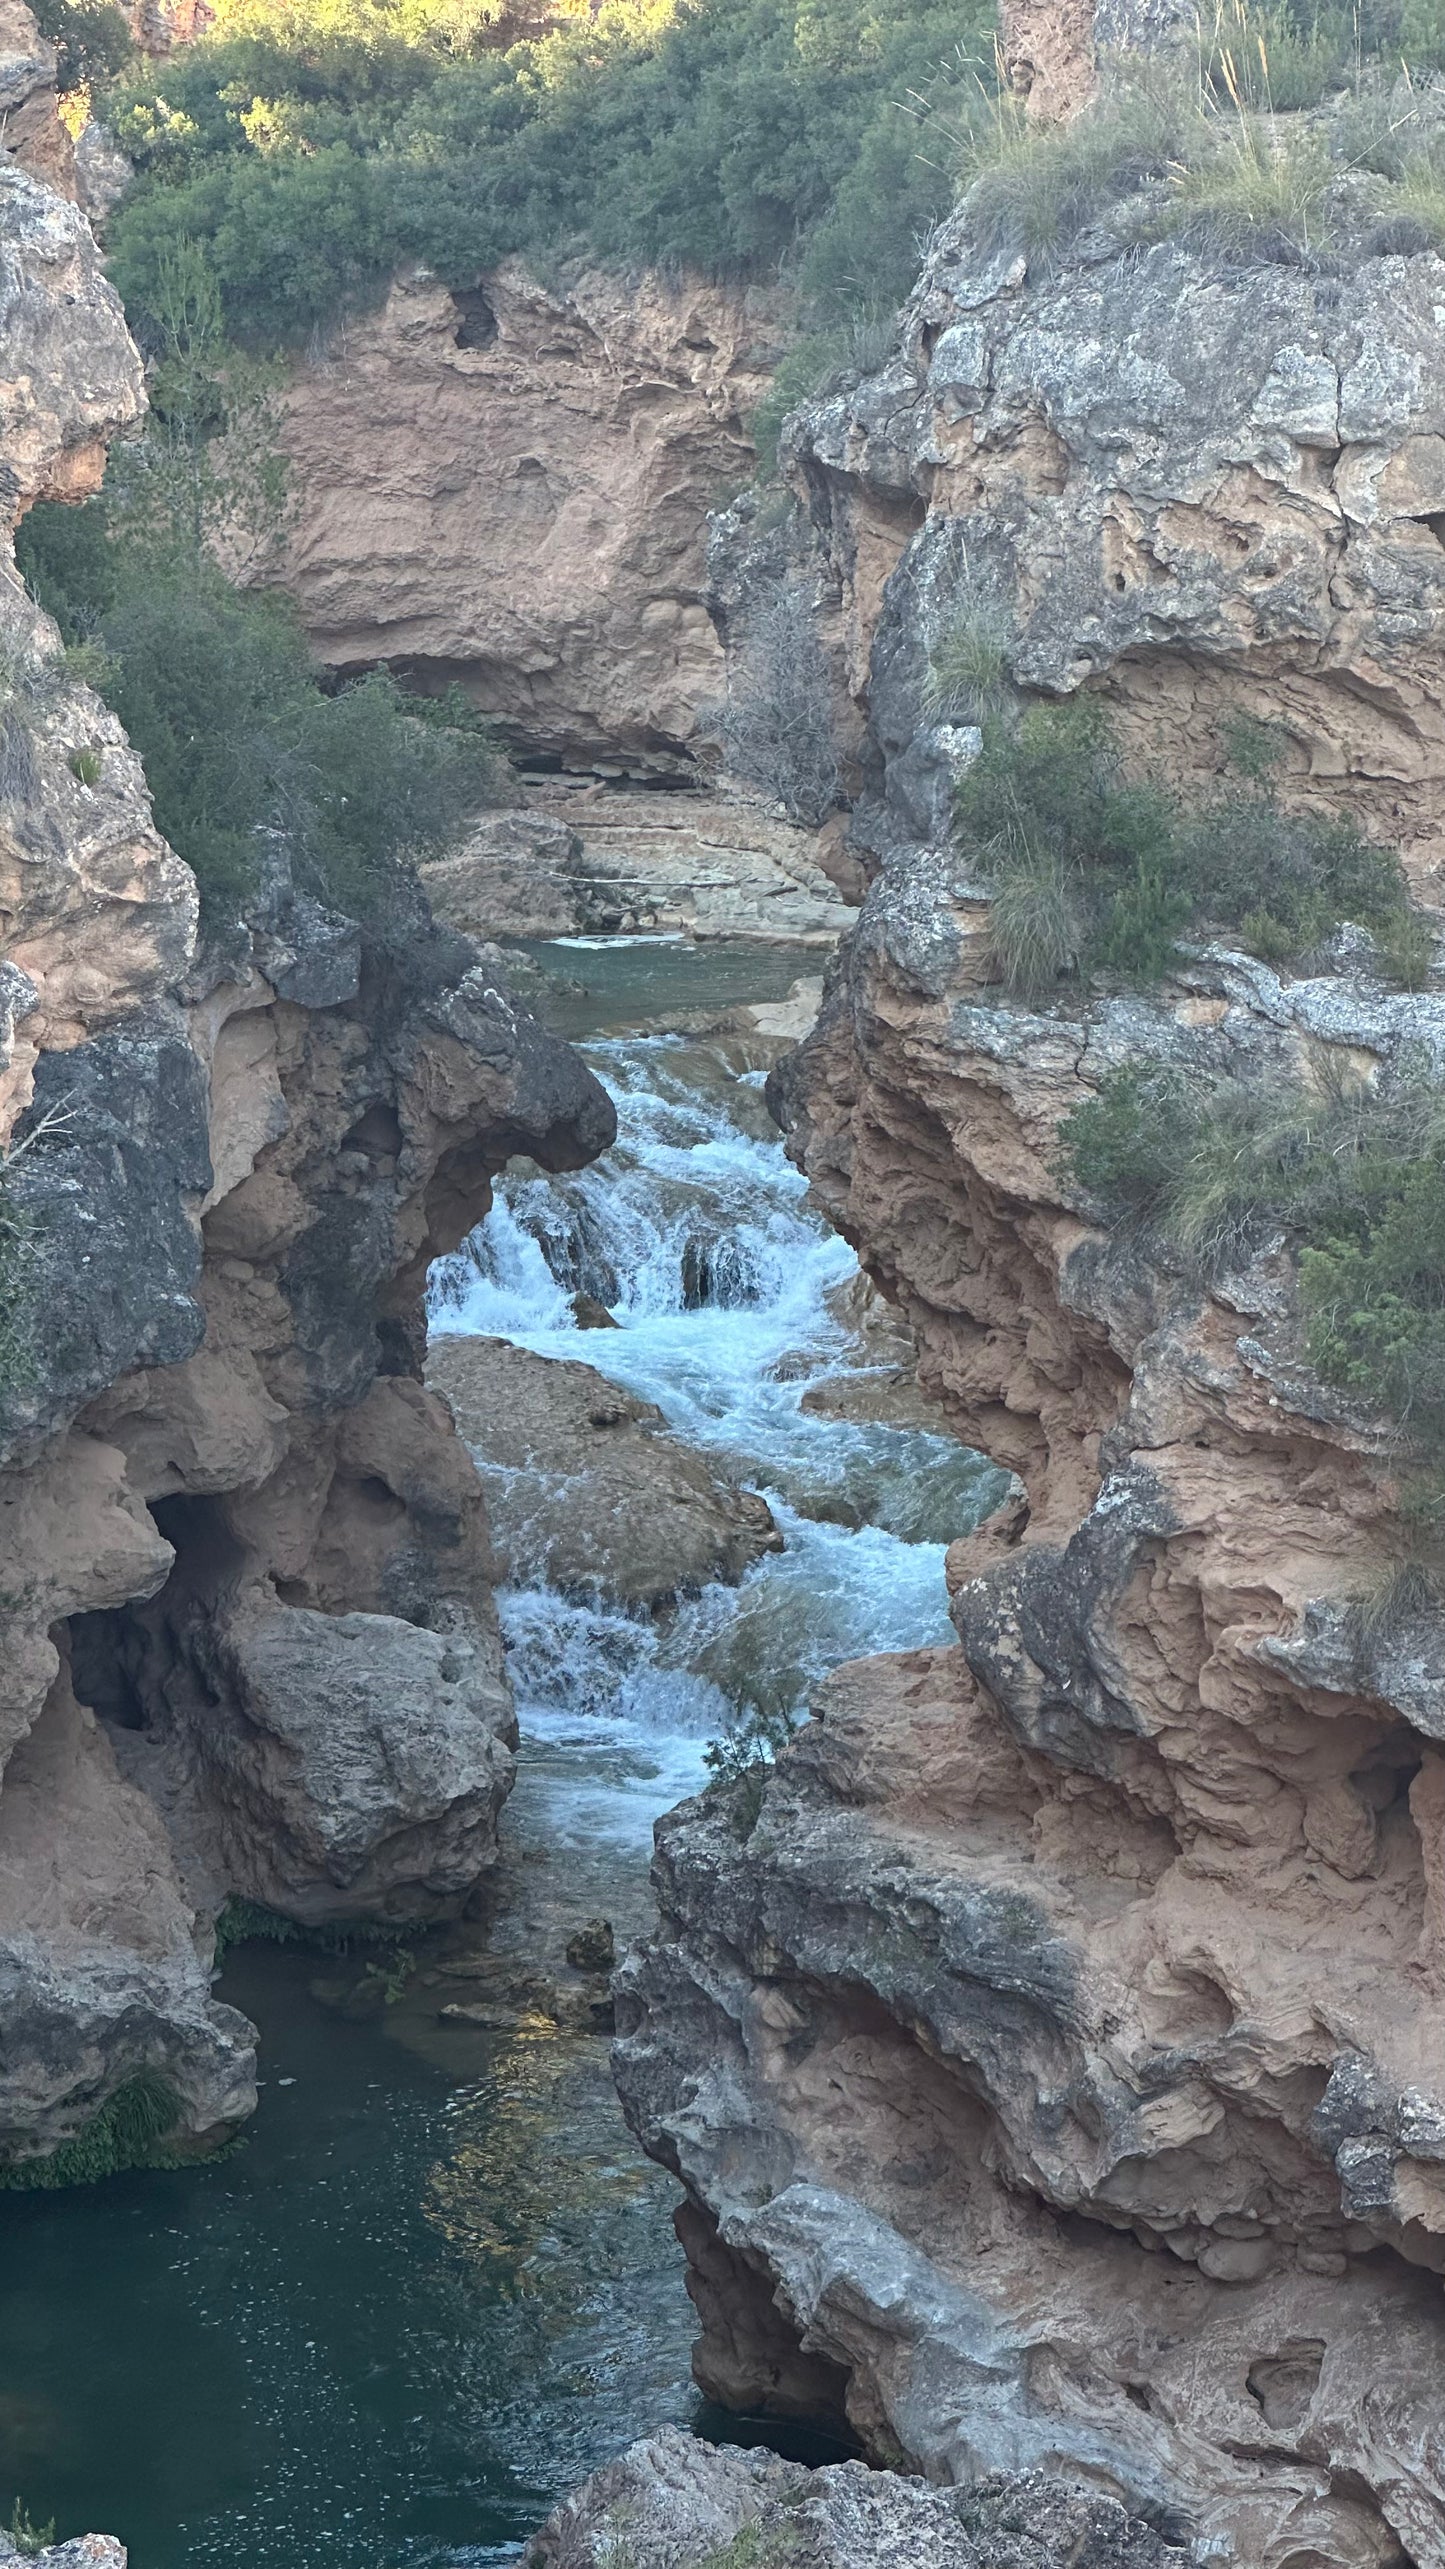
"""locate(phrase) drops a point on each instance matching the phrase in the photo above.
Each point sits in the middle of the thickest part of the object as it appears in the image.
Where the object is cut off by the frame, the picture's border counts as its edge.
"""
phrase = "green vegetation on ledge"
(129, 2131)
(1354, 1174)
(1093, 873)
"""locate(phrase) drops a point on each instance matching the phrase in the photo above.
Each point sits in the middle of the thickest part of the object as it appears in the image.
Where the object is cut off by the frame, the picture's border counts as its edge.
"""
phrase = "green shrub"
(968, 670)
(238, 739)
(1353, 1171)
(743, 1757)
(91, 38)
(85, 766)
(129, 2131)
(1257, 177)
(313, 148)
(1036, 187)
(1092, 873)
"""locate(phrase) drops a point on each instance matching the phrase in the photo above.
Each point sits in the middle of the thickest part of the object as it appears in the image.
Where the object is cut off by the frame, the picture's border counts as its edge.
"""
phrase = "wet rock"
(586, 1487)
(589, 1313)
(672, 2502)
(593, 1947)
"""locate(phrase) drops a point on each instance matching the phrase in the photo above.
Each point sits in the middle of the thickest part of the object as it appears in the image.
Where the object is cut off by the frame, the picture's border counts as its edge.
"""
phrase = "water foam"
(698, 1236)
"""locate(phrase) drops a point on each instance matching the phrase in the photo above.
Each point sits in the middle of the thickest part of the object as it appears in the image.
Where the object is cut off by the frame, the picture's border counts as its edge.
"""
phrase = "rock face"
(510, 488)
(674, 2503)
(1052, 2067)
(249, 1641)
(586, 1489)
(596, 860)
(1051, 2061)
(1209, 485)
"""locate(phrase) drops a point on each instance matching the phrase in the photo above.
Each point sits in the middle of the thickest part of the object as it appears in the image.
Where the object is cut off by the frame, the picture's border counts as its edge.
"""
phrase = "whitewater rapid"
(697, 1236)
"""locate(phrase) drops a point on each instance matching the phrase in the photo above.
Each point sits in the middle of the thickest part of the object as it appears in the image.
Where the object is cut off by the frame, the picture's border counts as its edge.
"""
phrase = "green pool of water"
(427, 2295)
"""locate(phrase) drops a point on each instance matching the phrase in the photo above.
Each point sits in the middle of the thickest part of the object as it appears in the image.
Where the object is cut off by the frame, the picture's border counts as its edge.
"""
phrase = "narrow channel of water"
(437, 2285)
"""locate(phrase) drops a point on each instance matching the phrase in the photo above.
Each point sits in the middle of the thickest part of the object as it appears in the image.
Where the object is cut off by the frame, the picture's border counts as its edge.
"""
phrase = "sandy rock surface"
(511, 487)
(597, 861)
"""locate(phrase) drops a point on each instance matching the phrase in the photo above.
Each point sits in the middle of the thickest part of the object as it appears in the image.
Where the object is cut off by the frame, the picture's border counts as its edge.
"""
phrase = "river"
(437, 2284)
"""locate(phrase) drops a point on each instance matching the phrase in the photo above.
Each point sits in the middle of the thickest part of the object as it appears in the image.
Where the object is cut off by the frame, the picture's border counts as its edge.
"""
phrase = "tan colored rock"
(586, 1488)
(99, 1958)
(1076, 1991)
(510, 488)
(599, 860)
(1047, 49)
(31, 132)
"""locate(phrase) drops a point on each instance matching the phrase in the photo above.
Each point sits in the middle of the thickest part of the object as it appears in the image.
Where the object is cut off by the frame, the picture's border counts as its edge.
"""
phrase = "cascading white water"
(696, 1233)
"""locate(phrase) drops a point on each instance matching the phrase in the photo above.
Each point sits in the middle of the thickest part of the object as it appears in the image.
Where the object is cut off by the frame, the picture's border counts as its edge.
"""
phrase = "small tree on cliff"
(779, 720)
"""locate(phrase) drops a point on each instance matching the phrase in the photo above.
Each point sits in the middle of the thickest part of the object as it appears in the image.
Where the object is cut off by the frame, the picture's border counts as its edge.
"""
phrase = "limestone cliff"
(249, 1641)
(510, 488)
(1208, 485)
(1053, 2061)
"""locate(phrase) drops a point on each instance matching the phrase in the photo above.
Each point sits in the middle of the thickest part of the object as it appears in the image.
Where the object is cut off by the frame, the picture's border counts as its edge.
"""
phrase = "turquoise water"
(438, 2284)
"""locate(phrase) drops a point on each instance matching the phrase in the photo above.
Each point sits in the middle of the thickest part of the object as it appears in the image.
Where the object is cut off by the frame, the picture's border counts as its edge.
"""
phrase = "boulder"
(586, 1487)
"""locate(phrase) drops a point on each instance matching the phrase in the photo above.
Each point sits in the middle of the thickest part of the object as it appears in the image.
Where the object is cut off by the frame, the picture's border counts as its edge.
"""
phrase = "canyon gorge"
(1038, 2003)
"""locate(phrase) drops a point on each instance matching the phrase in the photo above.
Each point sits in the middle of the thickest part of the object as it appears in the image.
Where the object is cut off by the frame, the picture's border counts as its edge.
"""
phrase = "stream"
(437, 2284)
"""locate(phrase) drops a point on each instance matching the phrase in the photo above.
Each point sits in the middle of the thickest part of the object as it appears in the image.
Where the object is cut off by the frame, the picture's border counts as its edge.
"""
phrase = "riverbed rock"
(509, 488)
(587, 1489)
(601, 861)
(673, 2502)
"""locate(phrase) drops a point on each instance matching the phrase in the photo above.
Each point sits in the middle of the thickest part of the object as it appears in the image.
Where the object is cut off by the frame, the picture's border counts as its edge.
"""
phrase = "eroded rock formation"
(510, 488)
(674, 2503)
(249, 1642)
(1052, 2059)
(598, 859)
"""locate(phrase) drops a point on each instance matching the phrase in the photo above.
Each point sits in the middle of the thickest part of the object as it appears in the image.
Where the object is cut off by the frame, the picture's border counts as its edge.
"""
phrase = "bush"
(27, 2537)
(240, 744)
(1095, 874)
(967, 678)
(1036, 187)
(1356, 1175)
(92, 40)
(313, 148)
(778, 723)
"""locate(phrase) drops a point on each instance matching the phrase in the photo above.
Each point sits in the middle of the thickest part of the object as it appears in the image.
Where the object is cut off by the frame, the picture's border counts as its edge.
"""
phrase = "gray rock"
(111, 1164)
(671, 2502)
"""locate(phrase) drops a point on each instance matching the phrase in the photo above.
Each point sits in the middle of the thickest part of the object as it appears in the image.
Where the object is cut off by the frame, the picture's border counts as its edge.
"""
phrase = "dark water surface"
(438, 2284)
